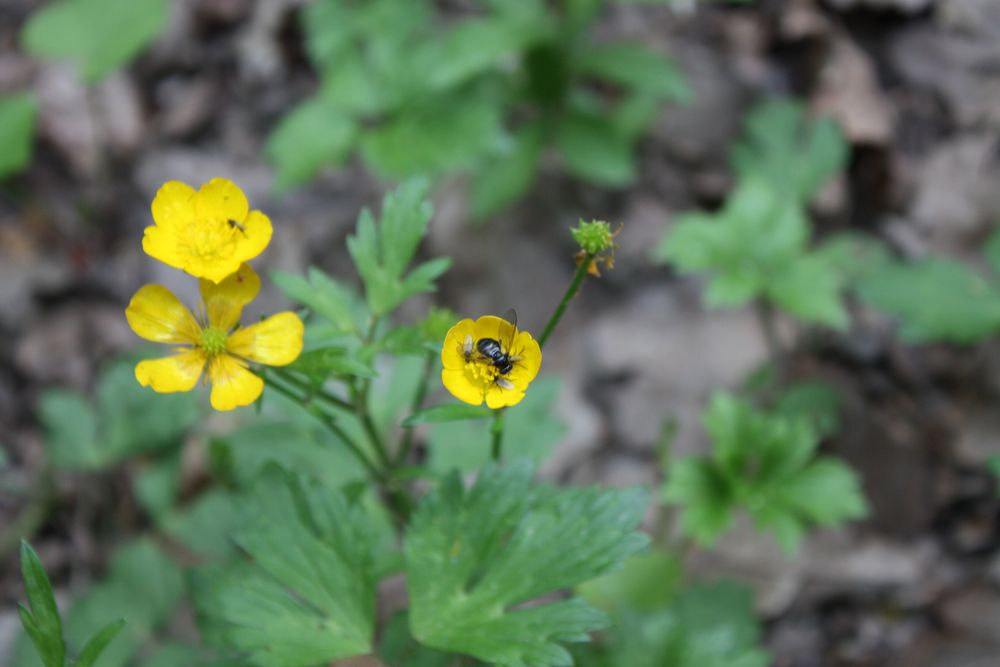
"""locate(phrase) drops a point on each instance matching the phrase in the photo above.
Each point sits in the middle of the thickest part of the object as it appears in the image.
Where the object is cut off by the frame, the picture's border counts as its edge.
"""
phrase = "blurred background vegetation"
(807, 260)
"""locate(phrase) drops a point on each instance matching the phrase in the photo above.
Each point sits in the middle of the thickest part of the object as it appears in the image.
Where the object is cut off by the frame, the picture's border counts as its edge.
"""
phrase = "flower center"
(213, 341)
(211, 238)
(482, 373)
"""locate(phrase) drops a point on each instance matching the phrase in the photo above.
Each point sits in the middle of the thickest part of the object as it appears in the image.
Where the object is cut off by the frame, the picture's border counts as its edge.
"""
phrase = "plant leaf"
(42, 621)
(17, 130)
(313, 135)
(636, 66)
(95, 647)
(99, 36)
(473, 555)
(447, 413)
(309, 596)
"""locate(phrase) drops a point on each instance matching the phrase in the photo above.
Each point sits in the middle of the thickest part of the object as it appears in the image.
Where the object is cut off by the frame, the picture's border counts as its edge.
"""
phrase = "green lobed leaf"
(934, 300)
(99, 36)
(309, 595)
(793, 154)
(447, 413)
(647, 581)
(398, 647)
(41, 618)
(17, 129)
(810, 289)
(636, 66)
(321, 363)
(315, 134)
(473, 556)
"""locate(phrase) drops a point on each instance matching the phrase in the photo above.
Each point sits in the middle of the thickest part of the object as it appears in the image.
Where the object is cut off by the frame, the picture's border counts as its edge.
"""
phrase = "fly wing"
(508, 330)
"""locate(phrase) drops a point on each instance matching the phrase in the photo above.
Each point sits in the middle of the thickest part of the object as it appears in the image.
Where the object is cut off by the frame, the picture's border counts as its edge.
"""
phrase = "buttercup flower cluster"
(473, 376)
(210, 234)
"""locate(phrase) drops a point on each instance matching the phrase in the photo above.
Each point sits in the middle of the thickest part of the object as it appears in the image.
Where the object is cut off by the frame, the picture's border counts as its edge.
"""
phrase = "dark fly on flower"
(236, 225)
(498, 350)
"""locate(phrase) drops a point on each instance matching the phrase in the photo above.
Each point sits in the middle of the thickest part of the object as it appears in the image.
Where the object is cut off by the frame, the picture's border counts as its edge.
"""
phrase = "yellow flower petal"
(453, 350)
(224, 301)
(161, 244)
(173, 205)
(171, 374)
(232, 384)
(461, 387)
(221, 199)
(527, 360)
(253, 237)
(277, 341)
(491, 326)
(155, 314)
(498, 397)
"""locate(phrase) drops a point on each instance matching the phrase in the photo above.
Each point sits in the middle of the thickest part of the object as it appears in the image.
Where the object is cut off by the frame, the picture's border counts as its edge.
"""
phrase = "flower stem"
(769, 326)
(331, 424)
(312, 390)
(418, 403)
(360, 395)
(574, 287)
(496, 429)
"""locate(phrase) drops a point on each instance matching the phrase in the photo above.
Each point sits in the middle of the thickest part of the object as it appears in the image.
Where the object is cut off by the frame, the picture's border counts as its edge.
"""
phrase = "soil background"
(914, 83)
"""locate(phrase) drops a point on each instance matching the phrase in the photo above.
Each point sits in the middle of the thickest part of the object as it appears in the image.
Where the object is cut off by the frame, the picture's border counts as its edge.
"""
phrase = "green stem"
(331, 424)
(360, 395)
(496, 428)
(418, 403)
(769, 326)
(311, 390)
(574, 287)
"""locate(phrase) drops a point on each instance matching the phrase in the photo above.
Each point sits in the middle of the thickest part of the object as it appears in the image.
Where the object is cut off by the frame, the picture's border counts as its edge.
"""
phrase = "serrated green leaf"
(315, 134)
(42, 622)
(322, 294)
(473, 555)
(447, 413)
(790, 152)
(93, 649)
(17, 130)
(507, 175)
(321, 363)
(99, 36)
(636, 66)
(309, 596)
(935, 300)
(593, 149)
(707, 496)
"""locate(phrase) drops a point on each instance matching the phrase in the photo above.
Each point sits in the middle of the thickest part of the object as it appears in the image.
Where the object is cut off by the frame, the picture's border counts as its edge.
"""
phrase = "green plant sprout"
(485, 94)
(43, 624)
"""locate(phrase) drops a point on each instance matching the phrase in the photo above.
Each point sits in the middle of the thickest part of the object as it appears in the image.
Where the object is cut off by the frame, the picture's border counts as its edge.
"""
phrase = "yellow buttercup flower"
(207, 233)
(155, 314)
(473, 377)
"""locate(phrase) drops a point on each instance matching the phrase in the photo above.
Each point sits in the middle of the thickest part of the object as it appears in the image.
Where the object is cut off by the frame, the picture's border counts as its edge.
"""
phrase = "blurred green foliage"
(486, 93)
(98, 36)
(17, 129)
(765, 463)
(756, 248)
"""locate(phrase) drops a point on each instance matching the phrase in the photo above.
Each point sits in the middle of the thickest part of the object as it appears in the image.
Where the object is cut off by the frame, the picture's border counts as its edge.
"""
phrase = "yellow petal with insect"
(459, 339)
